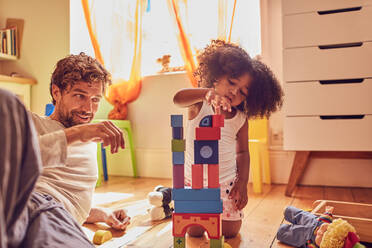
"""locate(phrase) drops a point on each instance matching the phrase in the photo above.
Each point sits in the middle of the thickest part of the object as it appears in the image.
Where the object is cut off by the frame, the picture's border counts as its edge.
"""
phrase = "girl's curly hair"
(221, 58)
(75, 68)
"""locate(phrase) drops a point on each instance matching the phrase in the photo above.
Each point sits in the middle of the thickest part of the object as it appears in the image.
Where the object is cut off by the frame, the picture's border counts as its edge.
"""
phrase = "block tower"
(197, 205)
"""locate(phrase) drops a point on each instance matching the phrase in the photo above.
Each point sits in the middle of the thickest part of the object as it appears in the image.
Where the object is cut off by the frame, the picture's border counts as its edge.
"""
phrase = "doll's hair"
(336, 233)
(221, 58)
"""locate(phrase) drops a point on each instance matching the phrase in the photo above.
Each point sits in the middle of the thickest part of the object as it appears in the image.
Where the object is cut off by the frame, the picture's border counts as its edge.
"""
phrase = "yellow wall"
(45, 41)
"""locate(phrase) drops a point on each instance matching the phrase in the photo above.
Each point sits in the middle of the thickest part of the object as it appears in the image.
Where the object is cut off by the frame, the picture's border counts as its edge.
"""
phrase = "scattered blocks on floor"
(101, 236)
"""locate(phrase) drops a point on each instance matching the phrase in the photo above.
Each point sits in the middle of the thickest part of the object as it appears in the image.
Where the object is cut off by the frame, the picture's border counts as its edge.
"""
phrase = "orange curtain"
(224, 31)
(122, 91)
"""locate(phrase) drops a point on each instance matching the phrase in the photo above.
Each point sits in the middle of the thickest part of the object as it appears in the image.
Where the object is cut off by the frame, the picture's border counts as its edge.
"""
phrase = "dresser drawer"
(341, 97)
(316, 134)
(303, 6)
(313, 29)
(314, 63)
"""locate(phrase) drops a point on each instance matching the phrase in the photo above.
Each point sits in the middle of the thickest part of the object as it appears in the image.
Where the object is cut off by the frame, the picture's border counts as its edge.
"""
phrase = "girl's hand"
(239, 194)
(218, 101)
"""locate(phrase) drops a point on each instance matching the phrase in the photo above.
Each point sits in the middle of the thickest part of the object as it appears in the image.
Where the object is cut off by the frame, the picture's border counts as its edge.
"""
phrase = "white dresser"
(327, 67)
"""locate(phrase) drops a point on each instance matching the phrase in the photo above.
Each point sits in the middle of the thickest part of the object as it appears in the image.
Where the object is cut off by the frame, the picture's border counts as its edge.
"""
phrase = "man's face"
(77, 104)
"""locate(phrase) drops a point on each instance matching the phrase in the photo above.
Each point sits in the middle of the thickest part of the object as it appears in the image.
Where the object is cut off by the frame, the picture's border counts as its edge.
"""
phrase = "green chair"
(103, 159)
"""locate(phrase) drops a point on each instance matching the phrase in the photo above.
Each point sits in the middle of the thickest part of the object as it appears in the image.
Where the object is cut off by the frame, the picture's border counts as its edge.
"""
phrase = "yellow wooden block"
(226, 245)
(101, 236)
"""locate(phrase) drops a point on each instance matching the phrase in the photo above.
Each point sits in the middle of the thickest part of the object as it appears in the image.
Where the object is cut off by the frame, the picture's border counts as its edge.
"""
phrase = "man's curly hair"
(221, 58)
(75, 68)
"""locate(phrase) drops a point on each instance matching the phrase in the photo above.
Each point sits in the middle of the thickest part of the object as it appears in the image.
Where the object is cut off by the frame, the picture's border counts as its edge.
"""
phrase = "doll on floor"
(310, 231)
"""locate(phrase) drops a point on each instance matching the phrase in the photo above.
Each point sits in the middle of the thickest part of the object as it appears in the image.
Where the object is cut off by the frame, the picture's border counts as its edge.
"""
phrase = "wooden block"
(210, 222)
(178, 176)
(206, 121)
(206, 151)
(179, 242)
(101, 236)
(198, 207)
(213, 176)
(178, 145)
(217, 243)
(197, 176)
(176, 120)
(207, 133)
(177, 132)
(218, 120)
(178, 157)
(188, 194)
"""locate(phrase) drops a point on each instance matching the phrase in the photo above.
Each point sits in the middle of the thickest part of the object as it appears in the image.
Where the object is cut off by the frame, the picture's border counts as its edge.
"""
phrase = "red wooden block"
(207, 133)
(218, 120)
(178, 176)
(212, 223)
(197, 176)
(213, 176)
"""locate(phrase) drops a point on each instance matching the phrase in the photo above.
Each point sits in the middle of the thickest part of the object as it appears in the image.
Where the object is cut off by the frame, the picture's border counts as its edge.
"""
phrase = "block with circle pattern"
(206, 151)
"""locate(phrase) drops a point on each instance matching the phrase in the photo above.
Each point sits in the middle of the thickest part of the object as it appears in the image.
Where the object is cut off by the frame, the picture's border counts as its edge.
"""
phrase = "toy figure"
(161, 199)
(310, 231)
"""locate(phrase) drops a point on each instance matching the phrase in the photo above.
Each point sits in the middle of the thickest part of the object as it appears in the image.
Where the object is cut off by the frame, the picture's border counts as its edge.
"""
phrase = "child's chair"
(259, 153)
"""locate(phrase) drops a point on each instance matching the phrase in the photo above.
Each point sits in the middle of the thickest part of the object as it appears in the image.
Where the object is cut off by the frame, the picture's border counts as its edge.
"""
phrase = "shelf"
(4, 56)
(19, 80)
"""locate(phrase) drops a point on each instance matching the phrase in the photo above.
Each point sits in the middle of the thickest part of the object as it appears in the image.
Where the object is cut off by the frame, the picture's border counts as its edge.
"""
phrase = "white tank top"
(226, 145)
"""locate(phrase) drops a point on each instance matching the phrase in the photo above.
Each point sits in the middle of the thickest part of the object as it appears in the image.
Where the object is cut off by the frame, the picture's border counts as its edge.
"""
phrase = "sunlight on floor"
(103, 198)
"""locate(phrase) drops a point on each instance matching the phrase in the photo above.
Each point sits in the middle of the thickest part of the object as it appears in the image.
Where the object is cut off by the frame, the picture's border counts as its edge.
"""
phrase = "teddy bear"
(161, 200)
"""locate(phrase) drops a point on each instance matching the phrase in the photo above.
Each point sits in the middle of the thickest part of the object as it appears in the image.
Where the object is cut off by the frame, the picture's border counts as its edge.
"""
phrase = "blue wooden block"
(178, 157)
(176, 120)
(205, 151)
(177, 132)
(198, 207)
(206, 121)
(188, 194)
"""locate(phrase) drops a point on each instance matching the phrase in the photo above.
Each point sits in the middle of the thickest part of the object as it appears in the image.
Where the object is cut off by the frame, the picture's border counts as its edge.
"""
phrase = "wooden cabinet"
(327, 67)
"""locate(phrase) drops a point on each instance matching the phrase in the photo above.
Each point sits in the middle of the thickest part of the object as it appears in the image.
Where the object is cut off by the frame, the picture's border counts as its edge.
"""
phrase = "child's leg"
(295, 235)
(298, 216)
(231, 228)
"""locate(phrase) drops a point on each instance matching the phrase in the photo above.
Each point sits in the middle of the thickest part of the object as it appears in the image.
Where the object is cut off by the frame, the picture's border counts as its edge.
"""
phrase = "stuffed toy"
(310, 231)
(161, 201)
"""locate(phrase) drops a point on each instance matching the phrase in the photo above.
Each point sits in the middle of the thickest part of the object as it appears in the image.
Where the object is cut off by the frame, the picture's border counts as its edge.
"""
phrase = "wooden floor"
(263, 214)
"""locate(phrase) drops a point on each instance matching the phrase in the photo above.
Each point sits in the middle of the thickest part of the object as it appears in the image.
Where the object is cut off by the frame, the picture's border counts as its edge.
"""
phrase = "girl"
(238, 87)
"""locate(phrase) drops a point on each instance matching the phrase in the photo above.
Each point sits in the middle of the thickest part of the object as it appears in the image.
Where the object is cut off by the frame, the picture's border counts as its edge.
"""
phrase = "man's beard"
(68, 120)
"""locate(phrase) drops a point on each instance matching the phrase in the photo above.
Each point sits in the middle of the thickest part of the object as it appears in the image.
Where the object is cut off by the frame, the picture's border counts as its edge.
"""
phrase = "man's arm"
(117, 219)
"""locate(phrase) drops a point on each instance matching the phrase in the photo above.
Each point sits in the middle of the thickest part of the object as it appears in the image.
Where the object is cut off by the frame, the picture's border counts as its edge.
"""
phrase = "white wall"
(45, 41)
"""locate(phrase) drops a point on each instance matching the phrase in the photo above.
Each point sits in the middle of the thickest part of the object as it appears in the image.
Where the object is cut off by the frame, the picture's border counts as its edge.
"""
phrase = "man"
(61, 197)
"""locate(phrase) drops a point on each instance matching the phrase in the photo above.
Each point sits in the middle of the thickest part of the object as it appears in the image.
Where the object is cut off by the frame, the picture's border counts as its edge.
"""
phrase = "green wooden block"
(217, 243)
(179, 242)
(178, 145)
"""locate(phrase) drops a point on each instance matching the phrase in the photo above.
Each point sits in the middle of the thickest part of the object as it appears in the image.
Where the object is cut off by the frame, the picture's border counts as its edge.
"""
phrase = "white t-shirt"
(226, 145)
(69, 172)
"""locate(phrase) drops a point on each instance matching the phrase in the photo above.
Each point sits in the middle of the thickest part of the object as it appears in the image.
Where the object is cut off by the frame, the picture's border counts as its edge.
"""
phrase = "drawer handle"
(341, 117)
(342, 81)
(343, 45)
(335, 11)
